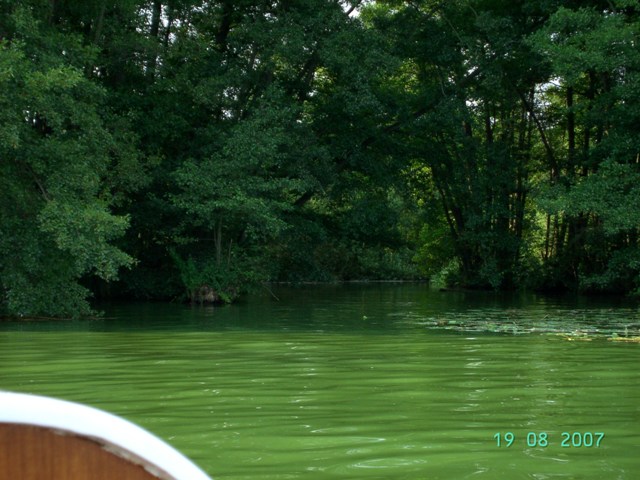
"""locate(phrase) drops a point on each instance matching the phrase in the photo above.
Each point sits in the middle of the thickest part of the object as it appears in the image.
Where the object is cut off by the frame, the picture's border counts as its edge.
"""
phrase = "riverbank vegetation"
(162, 149)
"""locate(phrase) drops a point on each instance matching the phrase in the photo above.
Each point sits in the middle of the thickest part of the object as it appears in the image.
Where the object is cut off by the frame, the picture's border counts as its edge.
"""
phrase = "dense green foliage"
(190, 148)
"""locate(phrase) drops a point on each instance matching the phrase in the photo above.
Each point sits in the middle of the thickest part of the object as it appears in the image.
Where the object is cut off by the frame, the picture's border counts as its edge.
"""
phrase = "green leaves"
(84, 232)
(612, 194)
(249, 181)
(60, 165)
(578, 41)
(289, 140)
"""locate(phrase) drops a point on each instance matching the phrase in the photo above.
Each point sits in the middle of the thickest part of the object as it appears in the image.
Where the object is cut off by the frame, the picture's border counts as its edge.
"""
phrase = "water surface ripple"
(352, 389)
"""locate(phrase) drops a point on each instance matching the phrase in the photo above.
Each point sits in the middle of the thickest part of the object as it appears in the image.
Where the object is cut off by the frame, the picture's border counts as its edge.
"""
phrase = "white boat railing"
(111, 433)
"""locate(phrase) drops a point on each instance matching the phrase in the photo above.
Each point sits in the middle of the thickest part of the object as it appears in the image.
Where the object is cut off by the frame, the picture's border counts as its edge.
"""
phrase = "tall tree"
(464, 94)
(65, 162)
(271, 103)
(592, 231)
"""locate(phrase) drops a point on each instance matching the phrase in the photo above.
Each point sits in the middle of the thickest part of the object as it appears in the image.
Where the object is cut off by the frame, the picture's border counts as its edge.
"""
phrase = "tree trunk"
(571, 132)
(218, 243)
(99, 23)
(156, 14)
(225, 26)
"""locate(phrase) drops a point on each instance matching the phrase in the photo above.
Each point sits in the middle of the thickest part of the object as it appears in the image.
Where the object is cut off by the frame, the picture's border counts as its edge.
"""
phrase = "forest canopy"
(191, 149)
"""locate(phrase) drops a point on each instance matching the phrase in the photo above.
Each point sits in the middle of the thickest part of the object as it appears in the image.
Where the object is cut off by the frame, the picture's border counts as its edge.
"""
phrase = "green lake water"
(377, 381)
